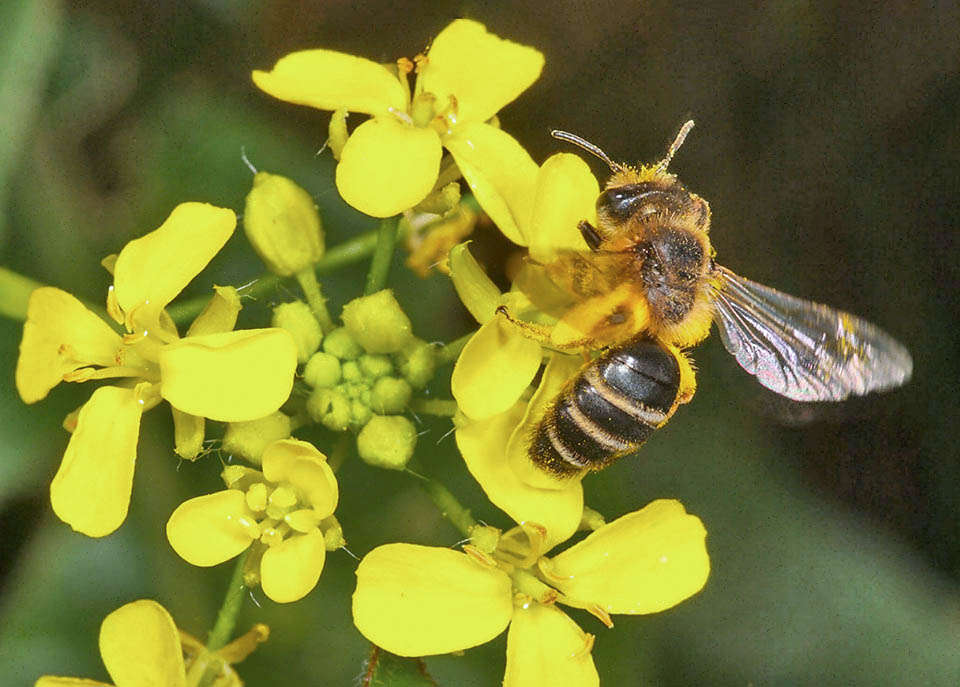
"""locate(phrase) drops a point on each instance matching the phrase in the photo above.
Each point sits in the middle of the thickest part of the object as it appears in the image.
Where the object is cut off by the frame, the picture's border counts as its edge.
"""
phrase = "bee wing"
(804, 350)
(573, 277)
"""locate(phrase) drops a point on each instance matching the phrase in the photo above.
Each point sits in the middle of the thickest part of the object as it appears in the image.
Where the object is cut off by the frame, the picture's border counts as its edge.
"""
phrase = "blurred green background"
(828, 145)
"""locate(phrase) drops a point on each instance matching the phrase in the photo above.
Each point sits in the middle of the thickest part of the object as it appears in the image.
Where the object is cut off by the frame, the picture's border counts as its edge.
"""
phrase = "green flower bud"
(485, 538)
(322, 369)
(353, 390)
(283, 225)
(390, 395)
(298, 319)
(351, 371)
(387, 441)
(360, 414)
(377, 322)
(375, 366)
(332, 534)
(341, 343)
(248, 439)
(330, 408)
(417, 363)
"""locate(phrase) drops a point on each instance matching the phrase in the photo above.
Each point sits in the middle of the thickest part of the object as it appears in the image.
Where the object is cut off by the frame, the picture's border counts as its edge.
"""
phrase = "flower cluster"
(361, 375)
(365, 375)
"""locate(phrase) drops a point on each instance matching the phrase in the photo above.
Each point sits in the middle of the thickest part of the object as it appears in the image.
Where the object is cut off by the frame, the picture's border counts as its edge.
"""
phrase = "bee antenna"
(675, 146)
(586, 145)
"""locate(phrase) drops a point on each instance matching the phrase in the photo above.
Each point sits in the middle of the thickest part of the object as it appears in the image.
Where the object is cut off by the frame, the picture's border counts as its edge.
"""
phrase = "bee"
(647, 288)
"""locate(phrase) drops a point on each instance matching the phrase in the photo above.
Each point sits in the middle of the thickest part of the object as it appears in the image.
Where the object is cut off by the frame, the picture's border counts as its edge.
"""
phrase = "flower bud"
(332, 534)
(297, 318)
(283, 225)
(390, 395)
(387, 441)
(351, 371)
(417, 363)
(377, 322)
(322, 369)
(375, 366)
(360, 414)
(330, 408)
(248, 439)
(341, 343)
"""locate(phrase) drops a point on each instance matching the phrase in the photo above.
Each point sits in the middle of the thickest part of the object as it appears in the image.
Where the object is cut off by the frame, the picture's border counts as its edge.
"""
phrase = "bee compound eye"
(618, 203)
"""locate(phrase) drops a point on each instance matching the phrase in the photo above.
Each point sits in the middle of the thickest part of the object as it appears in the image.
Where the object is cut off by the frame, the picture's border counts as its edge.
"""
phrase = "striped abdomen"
(608, 410)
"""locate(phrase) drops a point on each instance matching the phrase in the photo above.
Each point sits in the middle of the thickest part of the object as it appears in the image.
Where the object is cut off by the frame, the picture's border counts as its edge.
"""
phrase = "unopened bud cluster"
(363, 375)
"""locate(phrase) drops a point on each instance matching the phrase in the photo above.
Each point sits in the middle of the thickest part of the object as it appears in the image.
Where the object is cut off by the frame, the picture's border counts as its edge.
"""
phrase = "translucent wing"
(577, 275)
(804, 350)
(596, 296)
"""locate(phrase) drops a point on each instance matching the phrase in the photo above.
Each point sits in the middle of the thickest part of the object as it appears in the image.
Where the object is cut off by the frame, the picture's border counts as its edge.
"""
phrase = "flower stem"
(318, 304)
(434, 406)
(382, 256)
(451, 351)
(340, 255)
(444, 500)
(222, 630)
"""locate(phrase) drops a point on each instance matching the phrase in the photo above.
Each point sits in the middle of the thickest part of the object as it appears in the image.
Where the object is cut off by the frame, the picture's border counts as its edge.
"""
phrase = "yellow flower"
(284, 512)
(213, 372)
(420, 600)
(497, 366)
(140, 645)
(392, 161)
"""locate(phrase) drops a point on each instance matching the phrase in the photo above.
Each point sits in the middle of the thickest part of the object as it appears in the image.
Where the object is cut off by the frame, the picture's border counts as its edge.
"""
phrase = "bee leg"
(537, 332)
(542, 333)
(590, 234)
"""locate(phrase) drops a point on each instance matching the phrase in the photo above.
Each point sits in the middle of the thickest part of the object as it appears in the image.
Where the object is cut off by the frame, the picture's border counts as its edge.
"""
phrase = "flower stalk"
(382, 256)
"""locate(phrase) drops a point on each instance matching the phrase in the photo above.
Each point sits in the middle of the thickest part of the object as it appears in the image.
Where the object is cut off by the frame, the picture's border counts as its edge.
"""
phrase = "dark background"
(827, 144)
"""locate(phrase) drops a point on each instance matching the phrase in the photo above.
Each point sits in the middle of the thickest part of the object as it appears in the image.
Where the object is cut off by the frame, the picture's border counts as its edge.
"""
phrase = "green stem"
(434, 406)
(340, 255)
(444, 500)
(15, 290)
(451, 351)
(222, 631)
(382, 256)
(318, 304)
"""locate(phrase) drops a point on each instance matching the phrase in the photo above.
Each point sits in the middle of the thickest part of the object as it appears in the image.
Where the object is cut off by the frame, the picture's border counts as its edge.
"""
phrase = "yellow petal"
(208, 530)
(59, 336)
(494, 368)
(387, 166)
(545, 647)
(420, 600)
(140, 646)
(291, 569)
(480, 70)
(91, 490)
(643, 562)
(559, 370)
(231, 377)
(220, 313)
(303, 466)
(483, 446)
(477, 291)
(501, 174)
(566, 194)
(329, 80)
(54, 681)
(153, 269)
